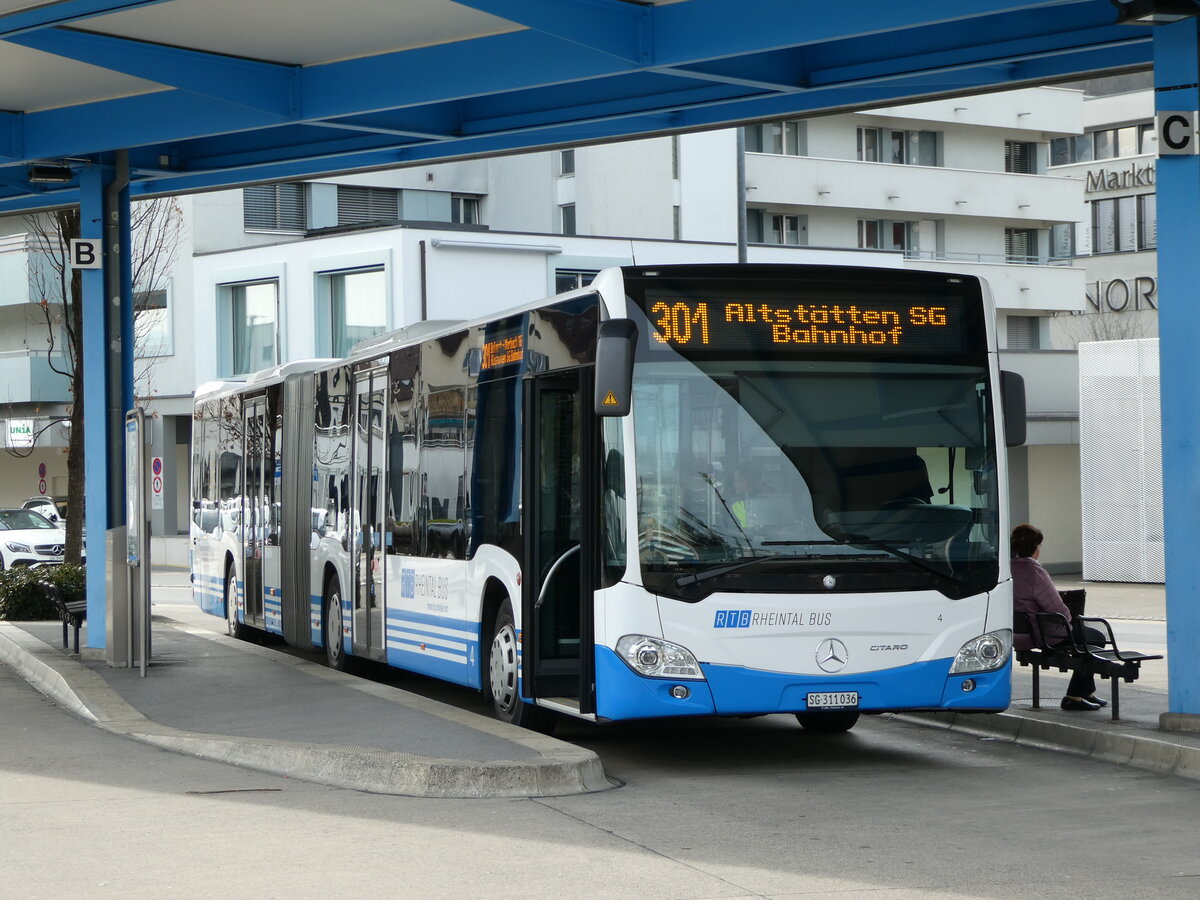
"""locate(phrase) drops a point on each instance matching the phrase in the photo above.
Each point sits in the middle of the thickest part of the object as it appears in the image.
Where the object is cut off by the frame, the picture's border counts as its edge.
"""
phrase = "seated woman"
(1034, 592)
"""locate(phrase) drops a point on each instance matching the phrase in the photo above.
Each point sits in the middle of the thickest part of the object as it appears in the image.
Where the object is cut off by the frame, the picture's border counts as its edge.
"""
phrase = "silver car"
(28, 539)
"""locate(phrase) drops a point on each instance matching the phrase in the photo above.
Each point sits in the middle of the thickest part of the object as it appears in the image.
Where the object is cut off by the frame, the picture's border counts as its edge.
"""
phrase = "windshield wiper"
(863, 540)
(730, 568)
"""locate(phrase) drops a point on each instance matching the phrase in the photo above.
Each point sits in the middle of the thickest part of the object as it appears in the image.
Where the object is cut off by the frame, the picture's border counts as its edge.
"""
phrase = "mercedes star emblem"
(831, 655)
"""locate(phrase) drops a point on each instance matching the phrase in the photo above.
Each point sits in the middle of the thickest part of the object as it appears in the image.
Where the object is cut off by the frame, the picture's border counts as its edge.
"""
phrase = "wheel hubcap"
(504, 667)
(231, 603)
(333, 639)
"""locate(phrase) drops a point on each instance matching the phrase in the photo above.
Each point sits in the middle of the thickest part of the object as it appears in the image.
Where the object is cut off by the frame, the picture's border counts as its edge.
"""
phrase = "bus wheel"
(335, 651)
(233, 627)
(502, 668)
(831, 722)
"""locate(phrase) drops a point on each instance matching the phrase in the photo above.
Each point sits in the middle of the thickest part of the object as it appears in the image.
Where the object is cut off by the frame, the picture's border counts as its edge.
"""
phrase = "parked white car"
(52, 508)
(28, 539)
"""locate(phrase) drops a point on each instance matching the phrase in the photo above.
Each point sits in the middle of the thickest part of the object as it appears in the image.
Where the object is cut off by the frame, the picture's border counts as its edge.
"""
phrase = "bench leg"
(1116, 697)
(1037, 692)
(64, 634)
(77, 638)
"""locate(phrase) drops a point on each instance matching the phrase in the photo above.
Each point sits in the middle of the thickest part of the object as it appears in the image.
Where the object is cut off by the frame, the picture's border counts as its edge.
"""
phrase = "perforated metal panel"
(1120, 456)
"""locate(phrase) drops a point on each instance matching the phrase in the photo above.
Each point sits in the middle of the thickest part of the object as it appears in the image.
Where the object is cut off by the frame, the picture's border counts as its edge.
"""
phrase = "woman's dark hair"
(1025, 540)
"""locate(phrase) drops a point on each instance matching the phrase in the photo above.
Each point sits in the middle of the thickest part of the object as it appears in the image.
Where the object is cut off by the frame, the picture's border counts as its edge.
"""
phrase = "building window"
(357, 307)
(566, 162)
(675, 156)
(766, 227)
(882, 234)
(570, 279)
(1020, 157)
(676, 224)
(788, 138)
(1114, 224)
(152, 323)
(1021, 245)
(275, 207)
(1062, 241)
(465, 210)
(1023, 333)
(909, 148)
(1147, 213)
(253, 316)
(567, 214)
(358, 205)
(1104, 143)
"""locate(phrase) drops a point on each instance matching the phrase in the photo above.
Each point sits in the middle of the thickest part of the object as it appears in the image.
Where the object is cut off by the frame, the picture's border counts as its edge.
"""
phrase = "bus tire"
(335, 650)
(233, 627)
(828, 722)
(502, 673)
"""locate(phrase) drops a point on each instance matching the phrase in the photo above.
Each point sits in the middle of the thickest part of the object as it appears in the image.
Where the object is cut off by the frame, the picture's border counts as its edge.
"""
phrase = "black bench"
(1073, 654)
(72, 612)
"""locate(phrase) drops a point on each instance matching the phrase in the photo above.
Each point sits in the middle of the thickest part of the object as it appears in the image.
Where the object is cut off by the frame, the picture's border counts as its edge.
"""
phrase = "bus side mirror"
(1012, 398)
(615, 343)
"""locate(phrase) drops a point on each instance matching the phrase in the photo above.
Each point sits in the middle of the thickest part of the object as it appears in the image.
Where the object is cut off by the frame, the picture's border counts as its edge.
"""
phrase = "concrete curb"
(1136, 750)
(560, 768)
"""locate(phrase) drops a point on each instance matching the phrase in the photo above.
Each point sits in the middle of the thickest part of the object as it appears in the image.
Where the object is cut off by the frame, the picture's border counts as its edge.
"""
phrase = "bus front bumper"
(736, 691)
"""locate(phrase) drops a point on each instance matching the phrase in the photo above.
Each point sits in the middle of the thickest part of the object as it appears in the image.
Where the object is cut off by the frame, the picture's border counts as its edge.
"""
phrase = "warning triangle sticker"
(610, 399)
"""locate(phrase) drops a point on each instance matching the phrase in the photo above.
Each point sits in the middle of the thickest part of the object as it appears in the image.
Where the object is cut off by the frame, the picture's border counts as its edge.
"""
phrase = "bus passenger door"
(254, 492)
(369, 462)
(561, 527)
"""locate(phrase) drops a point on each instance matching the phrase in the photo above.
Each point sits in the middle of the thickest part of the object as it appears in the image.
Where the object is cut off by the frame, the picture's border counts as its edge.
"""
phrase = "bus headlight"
(656, 658)
(984, 653)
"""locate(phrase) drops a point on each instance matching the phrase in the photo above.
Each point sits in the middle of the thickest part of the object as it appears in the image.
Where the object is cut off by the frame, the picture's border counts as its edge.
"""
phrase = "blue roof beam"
(957, 57)
(685, 32)
(435, 123)
(10, 136)
(269, 87)
(614, 27)
(64, 12)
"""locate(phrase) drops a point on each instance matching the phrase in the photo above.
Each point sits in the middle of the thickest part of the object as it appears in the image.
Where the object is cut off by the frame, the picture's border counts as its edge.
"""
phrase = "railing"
(995, 258)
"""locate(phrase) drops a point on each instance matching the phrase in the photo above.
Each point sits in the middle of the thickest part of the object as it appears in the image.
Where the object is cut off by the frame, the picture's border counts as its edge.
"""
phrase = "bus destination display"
(861, 325)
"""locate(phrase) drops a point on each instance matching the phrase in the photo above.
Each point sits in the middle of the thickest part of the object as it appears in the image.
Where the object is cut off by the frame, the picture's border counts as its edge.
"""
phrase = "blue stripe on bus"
(447, 670)
(731, 690)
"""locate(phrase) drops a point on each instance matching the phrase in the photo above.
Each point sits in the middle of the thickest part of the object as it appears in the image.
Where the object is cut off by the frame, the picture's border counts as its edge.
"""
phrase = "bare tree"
(1109, 326)
(156, 230)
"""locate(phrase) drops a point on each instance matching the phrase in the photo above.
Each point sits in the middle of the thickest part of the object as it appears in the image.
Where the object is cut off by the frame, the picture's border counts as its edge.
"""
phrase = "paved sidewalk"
(208, 695)
(1137, 613)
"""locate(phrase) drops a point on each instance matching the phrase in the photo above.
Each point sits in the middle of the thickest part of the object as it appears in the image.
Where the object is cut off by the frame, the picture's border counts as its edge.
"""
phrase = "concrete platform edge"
(1135, 750)
(562, 768)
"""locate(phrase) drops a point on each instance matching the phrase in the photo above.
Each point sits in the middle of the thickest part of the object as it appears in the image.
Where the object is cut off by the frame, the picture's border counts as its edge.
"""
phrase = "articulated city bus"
(680, 491)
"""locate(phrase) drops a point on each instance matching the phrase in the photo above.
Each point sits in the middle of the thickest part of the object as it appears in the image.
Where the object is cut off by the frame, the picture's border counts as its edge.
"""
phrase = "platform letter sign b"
(1176, 133)
(85, 254)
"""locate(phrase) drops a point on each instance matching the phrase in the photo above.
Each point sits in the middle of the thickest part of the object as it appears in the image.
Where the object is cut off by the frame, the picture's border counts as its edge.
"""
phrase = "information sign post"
(137, 538)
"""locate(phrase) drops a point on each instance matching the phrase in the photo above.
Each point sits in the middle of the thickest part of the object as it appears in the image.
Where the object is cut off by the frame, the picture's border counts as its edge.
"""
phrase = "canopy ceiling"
(212, 93)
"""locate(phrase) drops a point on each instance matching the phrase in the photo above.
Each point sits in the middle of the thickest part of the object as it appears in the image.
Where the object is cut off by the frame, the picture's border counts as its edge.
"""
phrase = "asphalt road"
(709, 809)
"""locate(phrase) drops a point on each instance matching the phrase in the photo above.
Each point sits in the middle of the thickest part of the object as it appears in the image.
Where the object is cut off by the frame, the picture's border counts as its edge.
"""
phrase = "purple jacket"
(1034, 592)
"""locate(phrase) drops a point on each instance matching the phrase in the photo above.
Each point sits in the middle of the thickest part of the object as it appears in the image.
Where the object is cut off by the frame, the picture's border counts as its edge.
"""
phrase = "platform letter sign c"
(85, 254)
(1176, 133)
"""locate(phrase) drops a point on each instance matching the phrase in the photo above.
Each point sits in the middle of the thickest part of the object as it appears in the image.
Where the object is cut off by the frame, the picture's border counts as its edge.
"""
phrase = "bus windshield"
(777, 474)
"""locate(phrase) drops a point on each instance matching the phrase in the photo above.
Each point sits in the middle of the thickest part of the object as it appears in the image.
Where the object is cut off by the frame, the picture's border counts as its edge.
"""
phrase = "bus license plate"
(833, 700)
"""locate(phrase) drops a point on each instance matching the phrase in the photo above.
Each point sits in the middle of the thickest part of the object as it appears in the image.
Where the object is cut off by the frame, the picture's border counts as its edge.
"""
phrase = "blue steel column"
(1176, 74)
(96, 439)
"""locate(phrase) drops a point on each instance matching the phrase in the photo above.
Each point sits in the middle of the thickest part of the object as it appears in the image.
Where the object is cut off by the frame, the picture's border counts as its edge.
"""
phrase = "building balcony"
(889, 191)
(1016, 287)
(26, 376)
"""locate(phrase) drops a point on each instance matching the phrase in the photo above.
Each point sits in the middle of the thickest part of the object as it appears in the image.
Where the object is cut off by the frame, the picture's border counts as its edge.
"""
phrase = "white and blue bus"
(681, 491)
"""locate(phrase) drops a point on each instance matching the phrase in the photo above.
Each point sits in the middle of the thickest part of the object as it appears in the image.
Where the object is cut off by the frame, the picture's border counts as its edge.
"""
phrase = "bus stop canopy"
(214, 93)
(104, 101)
